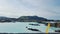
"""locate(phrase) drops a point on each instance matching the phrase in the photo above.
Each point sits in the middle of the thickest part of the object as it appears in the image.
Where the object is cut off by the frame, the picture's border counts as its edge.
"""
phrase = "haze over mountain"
(43, 8)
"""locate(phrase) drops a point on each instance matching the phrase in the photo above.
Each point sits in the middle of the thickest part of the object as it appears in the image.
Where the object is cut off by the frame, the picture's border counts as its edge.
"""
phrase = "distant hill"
(25, 19)
(6, 19)
(31, 18)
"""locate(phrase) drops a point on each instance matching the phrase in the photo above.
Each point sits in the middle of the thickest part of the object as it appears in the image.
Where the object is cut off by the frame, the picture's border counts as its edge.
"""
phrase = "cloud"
(42, 8)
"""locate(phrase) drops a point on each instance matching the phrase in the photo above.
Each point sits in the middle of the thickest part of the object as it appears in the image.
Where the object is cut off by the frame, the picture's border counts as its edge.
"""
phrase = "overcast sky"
(43, 8)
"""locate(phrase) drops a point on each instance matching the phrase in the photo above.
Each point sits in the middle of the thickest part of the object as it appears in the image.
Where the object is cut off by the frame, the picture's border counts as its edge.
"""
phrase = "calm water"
(20, 27)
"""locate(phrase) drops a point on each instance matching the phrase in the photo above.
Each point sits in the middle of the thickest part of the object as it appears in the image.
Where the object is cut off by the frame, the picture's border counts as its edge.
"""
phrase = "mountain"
(31, 19)
(25, 19)
(6, 19)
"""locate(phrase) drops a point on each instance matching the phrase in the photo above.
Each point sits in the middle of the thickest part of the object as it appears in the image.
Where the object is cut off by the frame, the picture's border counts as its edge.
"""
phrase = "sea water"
(20, 27)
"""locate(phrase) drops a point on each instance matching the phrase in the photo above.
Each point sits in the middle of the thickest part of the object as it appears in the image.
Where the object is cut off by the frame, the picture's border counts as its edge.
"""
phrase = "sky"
(49, 9)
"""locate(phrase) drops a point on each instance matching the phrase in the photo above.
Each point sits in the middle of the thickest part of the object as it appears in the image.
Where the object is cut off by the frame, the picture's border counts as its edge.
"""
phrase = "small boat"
(57, 30)
(33, 29)
(35, 24)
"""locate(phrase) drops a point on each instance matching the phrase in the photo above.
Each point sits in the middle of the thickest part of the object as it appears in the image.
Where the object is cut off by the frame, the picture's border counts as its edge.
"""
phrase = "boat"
(32, 29)
(35, 24)
(57, 30)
